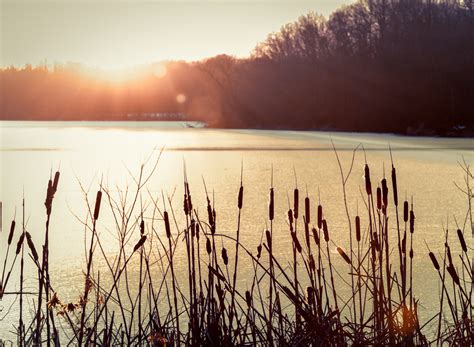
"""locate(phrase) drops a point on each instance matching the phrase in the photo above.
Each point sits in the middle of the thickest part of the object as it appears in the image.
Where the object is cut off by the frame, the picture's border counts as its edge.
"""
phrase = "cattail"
(368, 184)
(167, 224)
(405, 211)
(296, 242)
(142, 227)
(190, 202)
(453, 273)
(404, 244)
(139, 243)
(411, 253)
(193, 228)
(97, 205)
(379, 198)
(394, 186)
(290, 219)
(316, 236)
(12, 231)
(225, 258)
(185, 204)
(384, 192)
(259, 251)
(269, 238)
(271, 206)
(208, 246)
(344, 255)
(241, 197)
(248, 298)
(412, 221)
(448, 251)
(312, 264)
(20, 242)
(210, 216)
(306, 233)
(55, 182)
(326, 232)
(320, 216)
(357, 221)
(462, 241)
(376, 242)
(197, 231)
(31, 246)
(213, 225)
(307, 211)
(434, 261)
(296, 202)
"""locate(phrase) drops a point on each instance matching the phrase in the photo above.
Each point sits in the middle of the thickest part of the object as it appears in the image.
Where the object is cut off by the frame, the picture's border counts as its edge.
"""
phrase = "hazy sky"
(115, 34)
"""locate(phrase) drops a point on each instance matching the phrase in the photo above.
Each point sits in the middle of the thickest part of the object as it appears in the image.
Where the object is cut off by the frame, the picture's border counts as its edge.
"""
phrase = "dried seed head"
(31, 246)
(344, 255)
(241, 197)
(462, 241)
(326, 231)
(225, 258)
(142, 227)
(12, 231)
(259, 251)
(98, 198)
(296, 242)
(394, 186)
(20, 242)
(167, 224)
(405, 211)
(316, 236)
(296, 202)
(411, 253)
(384, 192)
(450, 259)
(271, 206)
(208, 246)
(434, 261)
(290, 219)
(269, 238)
(453, 273)
(368, 184)
(248, 298)
(139, 243)
(307, 210)
(379, 198)
(197, 231)
(357, 222)
(55, 182)
(306, 234)
(412, 221)
(320, 216)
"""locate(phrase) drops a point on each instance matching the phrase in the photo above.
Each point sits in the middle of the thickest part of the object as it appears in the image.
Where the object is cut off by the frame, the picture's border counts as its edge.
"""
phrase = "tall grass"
(282, 305)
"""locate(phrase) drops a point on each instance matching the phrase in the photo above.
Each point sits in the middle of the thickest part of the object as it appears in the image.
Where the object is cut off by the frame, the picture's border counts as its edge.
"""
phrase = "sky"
(111, 34)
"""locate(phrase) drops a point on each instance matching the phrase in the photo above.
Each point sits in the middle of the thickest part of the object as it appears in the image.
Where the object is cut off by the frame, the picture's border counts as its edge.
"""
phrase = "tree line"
(404, 66)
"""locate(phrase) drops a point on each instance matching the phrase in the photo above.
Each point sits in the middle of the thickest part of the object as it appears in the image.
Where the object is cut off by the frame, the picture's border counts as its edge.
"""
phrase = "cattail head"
(98, 198)
(240, 198)
(357, 222)
(404, 244)
(462, 241)
(197, 231)
(186, 204)
(296, 202)
(20, 243)
(411, 253)
(269, 238)
(139, 243)
(56, 181)
(142, 227)
(193, 228)
(167, 224)
(405, 211)
(259, 251)
(12, 231)
(344, 255)
(307, 210)
(320, 216)
(296, 242)
(394, 186)
(225, 257)
(316, 236)
(368, 184)
(31, 246)
(248, 298)
(434, 261)
(312, 264)
(384, 192)
(208, 246)
(379, 198)
(271, 205)
(326, 231)
(448, 251)
(453, 273)
(412, 221)
(306, 233)
(290, 219)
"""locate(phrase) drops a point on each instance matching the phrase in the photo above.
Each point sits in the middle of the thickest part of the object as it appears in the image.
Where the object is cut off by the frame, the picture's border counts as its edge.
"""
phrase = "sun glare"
(122, 75)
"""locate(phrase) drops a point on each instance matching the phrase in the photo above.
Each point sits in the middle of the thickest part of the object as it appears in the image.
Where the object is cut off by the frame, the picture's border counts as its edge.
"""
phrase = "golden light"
(159, 70)
(181, 98)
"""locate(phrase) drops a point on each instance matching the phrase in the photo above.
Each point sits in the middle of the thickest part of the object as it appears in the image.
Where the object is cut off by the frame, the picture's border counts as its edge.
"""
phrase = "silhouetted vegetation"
(402, 66)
